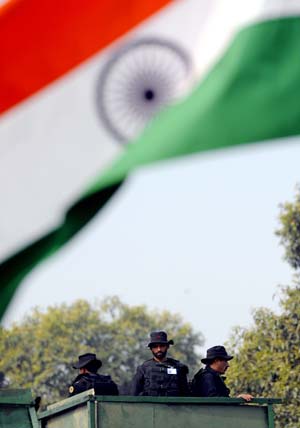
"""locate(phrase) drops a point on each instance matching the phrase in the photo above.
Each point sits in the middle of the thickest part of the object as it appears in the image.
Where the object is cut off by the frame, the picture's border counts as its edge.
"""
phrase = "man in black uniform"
(208, 382)
(88, 378)
(160, 376)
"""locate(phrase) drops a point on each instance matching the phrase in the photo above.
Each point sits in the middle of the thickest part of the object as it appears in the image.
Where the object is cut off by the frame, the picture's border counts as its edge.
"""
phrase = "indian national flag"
(248, 54)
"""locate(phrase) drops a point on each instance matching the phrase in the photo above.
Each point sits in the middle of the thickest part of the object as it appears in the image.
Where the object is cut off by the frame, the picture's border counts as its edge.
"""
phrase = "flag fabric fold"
(58, 138)
(250, 96)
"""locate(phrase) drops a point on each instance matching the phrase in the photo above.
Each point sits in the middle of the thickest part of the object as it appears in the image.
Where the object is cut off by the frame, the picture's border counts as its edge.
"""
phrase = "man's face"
(159, 351)
(221, 366)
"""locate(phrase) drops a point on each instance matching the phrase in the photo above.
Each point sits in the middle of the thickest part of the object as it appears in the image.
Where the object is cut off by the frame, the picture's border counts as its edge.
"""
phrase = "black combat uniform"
(89, 378)
(167, 378)
(209, 383)
(103, 385)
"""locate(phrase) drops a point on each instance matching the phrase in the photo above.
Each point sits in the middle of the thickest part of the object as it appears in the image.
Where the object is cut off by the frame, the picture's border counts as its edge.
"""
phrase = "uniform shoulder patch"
(71, 389)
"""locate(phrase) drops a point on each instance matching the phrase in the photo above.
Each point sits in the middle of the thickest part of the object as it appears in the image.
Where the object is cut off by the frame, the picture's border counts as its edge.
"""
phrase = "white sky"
(193, 236)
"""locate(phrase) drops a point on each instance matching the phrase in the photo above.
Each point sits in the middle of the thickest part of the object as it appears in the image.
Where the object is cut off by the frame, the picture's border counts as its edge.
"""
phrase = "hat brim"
(80, 365)
(167, 342)
(209, 360)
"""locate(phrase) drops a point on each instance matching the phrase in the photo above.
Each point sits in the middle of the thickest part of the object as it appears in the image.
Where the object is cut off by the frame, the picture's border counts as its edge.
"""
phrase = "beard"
(159, 355)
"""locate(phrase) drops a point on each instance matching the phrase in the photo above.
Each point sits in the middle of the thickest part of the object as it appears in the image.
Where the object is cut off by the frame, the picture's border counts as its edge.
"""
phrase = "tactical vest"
(160, 381)
(103, 385)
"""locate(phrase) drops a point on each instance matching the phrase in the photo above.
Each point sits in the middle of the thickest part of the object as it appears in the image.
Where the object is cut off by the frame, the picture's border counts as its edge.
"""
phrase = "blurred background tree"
(267, 355)
(267, 358)
(289, 231)
(38, 352)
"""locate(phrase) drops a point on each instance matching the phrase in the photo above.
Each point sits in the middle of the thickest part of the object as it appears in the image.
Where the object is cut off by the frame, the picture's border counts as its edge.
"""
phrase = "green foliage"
(267, 362)
(289, 232)
(38, 353)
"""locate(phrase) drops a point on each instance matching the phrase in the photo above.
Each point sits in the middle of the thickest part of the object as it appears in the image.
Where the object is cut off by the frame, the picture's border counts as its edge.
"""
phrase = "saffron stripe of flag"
(75, 30)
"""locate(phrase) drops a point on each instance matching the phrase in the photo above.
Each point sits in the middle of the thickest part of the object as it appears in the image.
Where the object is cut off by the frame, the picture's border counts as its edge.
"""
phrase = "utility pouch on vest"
(163, 380)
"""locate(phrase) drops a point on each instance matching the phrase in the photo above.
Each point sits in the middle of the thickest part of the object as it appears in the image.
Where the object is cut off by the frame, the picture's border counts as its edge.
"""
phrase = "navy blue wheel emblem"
(137, 81)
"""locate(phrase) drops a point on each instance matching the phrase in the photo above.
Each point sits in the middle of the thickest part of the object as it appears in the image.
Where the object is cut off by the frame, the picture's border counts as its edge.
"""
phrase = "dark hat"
(85, 359)
(159, 337)
(216, 352)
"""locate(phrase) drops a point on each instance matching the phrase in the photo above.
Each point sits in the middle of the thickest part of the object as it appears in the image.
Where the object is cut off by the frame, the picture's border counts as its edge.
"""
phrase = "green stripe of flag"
(251, 95)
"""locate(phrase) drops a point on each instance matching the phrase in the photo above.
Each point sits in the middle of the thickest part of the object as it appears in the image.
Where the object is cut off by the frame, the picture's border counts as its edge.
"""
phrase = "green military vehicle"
(86, 410)
(17, 409)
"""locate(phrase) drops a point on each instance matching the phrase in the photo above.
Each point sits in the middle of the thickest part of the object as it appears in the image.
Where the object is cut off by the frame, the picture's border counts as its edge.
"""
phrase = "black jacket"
(103, 385)
(209, 383)
(168, 378)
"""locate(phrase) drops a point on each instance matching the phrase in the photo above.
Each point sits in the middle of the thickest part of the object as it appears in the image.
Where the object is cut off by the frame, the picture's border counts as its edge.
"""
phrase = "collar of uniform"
(209, 369)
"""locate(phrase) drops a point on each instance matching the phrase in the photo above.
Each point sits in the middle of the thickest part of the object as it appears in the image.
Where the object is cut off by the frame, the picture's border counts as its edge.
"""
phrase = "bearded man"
(161, 376)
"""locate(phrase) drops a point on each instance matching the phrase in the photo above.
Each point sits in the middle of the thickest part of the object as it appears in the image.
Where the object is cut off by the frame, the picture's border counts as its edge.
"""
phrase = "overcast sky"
(194, 236)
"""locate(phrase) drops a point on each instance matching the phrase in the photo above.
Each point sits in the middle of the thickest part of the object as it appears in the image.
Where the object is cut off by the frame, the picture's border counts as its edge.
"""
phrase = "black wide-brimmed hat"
(159, 337)
(216, 352)
(85, 359)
